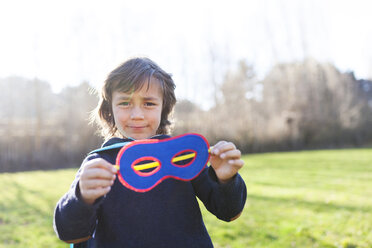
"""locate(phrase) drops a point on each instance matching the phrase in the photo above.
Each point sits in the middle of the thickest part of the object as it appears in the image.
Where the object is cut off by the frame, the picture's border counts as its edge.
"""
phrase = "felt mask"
(143, 164)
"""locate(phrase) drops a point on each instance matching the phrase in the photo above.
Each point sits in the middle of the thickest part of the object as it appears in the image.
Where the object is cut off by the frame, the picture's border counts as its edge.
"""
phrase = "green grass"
(303, 199)
(26, 207)
(299, 199)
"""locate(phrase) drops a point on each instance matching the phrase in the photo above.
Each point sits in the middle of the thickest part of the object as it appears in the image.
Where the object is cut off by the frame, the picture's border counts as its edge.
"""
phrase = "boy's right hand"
(96, 179)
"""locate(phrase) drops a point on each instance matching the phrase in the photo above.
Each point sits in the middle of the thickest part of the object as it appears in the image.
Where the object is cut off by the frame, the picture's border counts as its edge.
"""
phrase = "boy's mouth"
(137, 127)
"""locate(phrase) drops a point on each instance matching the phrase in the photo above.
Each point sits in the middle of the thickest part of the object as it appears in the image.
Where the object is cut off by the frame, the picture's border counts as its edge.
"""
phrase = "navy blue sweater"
(166, 216)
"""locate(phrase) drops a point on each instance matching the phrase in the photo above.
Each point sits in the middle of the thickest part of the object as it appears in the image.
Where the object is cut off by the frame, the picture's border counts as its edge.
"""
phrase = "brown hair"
(129, 77)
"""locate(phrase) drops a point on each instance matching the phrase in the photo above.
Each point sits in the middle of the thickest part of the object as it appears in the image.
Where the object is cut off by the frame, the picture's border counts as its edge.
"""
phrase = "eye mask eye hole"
(146, 166)
(184, 158)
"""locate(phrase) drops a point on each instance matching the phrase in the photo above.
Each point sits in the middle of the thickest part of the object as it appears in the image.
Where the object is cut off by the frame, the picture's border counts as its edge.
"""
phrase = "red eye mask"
(146, 163)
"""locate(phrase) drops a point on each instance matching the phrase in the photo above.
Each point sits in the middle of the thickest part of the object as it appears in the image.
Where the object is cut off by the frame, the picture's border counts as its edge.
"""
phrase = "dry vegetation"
(296, 106)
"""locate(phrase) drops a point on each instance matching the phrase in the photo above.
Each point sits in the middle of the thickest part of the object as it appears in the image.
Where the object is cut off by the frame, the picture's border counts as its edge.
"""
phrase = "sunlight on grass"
(303, 199)
(299, 199)
(26, 208)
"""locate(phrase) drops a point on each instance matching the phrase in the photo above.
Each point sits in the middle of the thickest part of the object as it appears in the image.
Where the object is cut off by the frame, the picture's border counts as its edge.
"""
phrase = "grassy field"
(299, 199)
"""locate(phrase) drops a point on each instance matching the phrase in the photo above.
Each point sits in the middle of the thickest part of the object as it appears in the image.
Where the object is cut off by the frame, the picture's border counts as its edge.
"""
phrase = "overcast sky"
(67, 42)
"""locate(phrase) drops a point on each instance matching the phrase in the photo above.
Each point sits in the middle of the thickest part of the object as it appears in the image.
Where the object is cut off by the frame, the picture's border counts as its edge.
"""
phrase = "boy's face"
(137, 115)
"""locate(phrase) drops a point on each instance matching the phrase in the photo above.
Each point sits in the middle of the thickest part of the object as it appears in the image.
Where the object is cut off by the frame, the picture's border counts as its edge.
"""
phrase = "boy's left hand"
(225, 160)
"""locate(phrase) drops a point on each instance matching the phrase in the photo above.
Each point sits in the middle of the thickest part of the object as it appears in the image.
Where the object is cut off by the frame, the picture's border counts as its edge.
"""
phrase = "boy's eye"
(148, 104)
(124, 103)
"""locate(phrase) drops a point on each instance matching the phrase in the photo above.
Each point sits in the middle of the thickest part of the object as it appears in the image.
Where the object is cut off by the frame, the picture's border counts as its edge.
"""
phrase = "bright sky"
(66, 42)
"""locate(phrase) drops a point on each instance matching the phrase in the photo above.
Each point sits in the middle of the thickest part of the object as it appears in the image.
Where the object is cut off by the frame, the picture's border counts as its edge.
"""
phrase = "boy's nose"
(136, 113)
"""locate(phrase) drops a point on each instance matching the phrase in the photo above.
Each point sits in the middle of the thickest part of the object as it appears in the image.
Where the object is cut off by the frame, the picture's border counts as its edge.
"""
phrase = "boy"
(136, 100)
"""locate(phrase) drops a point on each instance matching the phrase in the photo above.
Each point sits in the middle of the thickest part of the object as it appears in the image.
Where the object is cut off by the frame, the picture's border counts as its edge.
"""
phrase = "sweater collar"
(118, 143)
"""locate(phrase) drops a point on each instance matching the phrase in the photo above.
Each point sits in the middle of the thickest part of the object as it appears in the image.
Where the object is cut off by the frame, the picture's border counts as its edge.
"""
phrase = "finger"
(237, 163)
(97, 173)
(231, 154)
(92, 184)
(222, 146)
(92, 194)
(100, 163)
(216, 147)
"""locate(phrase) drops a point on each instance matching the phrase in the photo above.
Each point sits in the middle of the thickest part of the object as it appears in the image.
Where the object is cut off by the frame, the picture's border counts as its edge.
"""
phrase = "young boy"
(136, 100)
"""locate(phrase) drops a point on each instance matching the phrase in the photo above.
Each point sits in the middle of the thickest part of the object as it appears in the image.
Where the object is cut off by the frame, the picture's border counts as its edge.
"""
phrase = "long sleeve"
(125, 218)
(73, 218)
(225, 201)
